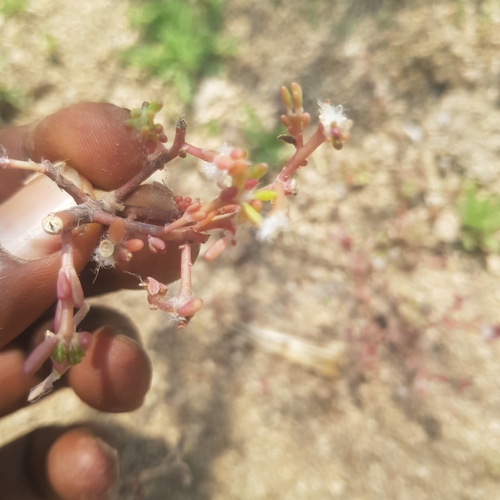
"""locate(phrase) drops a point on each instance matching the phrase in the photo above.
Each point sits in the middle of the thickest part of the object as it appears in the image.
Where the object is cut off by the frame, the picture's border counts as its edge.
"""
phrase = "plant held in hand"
(181, 223)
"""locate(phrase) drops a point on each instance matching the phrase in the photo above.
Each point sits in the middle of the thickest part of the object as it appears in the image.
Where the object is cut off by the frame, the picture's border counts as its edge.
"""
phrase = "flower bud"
(134, 245)
(250, 184)
(286, 98)
(229, 193)
(265, 195)
(238, 154)
(190, 308)
(258, 171)
(75, 355)
(252, 215)
(155, 106)
(256, 205)
(40, 354)
(285, 121)
(116, 231)
(223, 162)
(238, 167)
(84, 340)
(156, 245)
(123, 254)
(297, 96)
(59, 353)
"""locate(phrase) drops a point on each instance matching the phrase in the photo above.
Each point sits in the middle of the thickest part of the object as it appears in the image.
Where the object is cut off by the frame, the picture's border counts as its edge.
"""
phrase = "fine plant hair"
(242, 199)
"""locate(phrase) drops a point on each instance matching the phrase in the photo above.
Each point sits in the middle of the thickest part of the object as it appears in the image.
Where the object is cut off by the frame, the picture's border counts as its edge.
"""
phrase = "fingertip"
(29, 286)
(14, 384)
(82, 466)
(94, 139)
(74, 464)
(115, 374)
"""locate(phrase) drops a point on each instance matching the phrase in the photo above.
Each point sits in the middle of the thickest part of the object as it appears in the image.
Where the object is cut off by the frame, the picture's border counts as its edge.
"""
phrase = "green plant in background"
(11, 102)
(52, 47)
(10, 8)
(480, 220)
(261, 142)
(179, 40)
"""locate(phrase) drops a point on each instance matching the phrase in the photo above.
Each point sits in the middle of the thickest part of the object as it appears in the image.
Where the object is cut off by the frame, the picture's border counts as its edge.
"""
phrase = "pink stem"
(203, 154)
(181, 234)
(186, 263)
(302, 154)
(80, 314)
(219, 246)
(39, 355)
(155, 164)
(65, 324)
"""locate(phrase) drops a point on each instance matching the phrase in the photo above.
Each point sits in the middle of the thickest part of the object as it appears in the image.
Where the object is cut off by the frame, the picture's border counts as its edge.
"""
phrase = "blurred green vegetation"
(10, 8)
(480, 220)
(263, 145)
(52, 47)
(179, 41)
(11, 103)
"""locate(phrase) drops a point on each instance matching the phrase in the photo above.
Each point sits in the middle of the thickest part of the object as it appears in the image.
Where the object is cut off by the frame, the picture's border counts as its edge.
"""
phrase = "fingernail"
(21, 232)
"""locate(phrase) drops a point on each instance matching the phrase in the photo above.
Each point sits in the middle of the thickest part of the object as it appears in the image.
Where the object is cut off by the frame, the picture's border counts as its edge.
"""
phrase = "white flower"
(214, 173)
(331, 114)
(277, 221)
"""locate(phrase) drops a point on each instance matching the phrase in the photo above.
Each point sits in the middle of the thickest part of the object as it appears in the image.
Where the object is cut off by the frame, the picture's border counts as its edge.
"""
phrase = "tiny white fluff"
(331, 114)
(215, 174)
(272, 225)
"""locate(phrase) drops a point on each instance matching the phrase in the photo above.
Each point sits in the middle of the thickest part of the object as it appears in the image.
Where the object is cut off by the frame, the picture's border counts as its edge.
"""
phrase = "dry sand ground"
(420, 417)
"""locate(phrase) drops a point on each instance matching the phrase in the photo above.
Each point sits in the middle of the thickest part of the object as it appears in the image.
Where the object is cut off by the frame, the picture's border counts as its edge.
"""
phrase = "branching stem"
(156, 163)
(186, 288)
(302, 154)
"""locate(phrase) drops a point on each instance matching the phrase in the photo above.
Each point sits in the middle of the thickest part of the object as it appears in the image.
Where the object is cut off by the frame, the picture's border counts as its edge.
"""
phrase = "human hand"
(115, 374)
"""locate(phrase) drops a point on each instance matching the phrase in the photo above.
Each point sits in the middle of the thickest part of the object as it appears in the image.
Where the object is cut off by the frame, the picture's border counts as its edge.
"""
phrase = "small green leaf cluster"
(480, 221)
(73, 355)
(179, 40)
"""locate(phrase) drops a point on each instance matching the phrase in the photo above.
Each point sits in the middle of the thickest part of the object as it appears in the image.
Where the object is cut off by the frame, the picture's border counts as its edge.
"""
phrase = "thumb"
(29, 258)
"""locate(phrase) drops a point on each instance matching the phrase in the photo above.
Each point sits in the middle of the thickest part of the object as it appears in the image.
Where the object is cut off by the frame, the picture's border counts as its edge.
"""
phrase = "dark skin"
(115, 374)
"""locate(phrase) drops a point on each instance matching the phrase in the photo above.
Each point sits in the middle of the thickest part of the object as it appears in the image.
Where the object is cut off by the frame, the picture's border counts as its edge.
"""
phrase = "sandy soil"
(370, 269)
